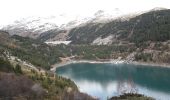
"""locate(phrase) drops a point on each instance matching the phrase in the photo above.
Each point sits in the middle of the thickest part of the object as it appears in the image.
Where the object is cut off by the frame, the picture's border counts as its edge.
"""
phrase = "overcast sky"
(14, 9)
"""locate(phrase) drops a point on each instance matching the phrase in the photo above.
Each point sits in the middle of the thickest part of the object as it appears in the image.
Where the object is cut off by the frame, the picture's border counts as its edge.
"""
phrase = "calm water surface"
(106, 80)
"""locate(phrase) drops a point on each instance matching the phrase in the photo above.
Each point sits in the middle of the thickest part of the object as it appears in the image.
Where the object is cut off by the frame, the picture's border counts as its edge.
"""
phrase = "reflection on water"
(106, 80)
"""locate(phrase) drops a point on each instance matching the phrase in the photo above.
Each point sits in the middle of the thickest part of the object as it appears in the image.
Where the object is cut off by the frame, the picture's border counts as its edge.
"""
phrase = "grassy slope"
(35, 85)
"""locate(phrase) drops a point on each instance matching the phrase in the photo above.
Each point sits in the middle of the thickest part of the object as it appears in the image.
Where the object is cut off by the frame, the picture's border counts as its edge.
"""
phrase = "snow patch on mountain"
(58, 42)
(103, 41)
(34, 26)
(31, 27)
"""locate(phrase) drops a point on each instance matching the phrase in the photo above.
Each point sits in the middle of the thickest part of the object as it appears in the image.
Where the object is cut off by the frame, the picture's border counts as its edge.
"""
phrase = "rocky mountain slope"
(150, 26)
(36, 27)
(30, 27)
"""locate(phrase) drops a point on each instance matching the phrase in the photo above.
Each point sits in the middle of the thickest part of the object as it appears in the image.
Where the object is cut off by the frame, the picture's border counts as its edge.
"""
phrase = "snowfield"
(58, 42)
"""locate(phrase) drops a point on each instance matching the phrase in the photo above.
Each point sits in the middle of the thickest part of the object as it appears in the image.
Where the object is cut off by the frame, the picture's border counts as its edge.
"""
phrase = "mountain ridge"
(33, 27)
(91, 30)
(149, 26)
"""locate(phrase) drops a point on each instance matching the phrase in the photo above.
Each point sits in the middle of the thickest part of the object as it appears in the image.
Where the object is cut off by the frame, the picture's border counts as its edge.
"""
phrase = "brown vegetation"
(12, 86)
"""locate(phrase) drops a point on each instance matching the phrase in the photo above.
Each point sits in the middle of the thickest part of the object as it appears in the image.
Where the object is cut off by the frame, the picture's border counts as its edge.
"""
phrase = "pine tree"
(18, 69)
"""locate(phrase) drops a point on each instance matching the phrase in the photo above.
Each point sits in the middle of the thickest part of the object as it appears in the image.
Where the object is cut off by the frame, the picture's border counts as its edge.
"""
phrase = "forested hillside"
(150, 26)
(33, 51)
(43, 56)
(144, 38)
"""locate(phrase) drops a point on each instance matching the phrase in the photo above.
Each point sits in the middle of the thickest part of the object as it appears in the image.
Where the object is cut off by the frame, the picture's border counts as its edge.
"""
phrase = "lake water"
(106, 80)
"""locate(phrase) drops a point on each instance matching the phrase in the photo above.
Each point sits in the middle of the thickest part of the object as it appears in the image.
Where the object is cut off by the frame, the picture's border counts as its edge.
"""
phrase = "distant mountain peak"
(99, 13)
(30, 27)
(34, 26)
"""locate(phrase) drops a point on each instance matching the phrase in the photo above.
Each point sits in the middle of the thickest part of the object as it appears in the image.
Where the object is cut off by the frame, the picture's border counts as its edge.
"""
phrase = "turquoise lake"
(106, 80)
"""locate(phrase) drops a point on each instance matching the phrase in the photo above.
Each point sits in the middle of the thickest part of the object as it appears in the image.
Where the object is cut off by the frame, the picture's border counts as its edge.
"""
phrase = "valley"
(34, 55)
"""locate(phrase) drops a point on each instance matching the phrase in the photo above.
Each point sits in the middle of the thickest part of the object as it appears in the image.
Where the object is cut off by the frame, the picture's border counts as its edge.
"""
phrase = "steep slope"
(30, 27)
(150, 26)
(21, 82)
(4, 37)
(30, 50)
(34, 27)
(100, 29)
(52, 35)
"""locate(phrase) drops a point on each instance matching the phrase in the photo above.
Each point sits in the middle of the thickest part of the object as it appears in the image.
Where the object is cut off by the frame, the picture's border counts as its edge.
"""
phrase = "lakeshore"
(106, 79)
(111, 61)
